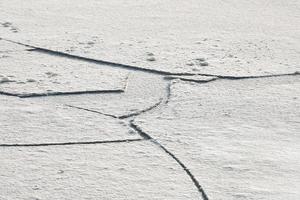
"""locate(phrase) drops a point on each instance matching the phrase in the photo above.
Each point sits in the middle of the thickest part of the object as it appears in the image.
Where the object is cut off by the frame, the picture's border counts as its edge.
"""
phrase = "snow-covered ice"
(142, 91)
(33, 74)
(108, 171)
(240, 138)
(149, 99)
(7, 47)
(27, 122)
(237, 38)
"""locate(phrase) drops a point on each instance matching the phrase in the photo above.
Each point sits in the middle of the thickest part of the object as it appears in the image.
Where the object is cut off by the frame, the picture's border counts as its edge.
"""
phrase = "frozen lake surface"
(120, 99)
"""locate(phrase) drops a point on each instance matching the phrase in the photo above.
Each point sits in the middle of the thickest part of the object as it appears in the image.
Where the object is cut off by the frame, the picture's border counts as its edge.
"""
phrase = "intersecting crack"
(146, 136)
(130, 117)
(161, 101)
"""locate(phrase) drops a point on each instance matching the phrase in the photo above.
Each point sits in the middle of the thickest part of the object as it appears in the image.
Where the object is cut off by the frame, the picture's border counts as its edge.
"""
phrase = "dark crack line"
(146, 136)
(168, 91)
(32, 95)
(8, 94)
(140, 131)
(136, 68)
(94, 111)
(109, 63)
(15, 51)
(141, 111)
(188, 172)
(153, 71)
(255, 77)
(191, 79)
(71, 143)
(143, 134)
(121, 116)
(97, 61)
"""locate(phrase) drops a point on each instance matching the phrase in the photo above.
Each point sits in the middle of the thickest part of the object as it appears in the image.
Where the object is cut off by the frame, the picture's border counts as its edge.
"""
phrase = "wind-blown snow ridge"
(70, 143)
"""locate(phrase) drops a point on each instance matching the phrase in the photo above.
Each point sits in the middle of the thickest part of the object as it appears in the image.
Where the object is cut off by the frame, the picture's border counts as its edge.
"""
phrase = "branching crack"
(146, 136)
(130, 116)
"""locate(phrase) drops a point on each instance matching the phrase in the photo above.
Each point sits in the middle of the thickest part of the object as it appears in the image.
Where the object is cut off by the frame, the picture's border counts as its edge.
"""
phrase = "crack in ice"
(70, 143)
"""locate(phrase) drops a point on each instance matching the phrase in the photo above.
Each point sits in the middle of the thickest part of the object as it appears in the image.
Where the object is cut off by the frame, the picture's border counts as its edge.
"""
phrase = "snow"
(28, 122)
(142, 91)
(149, 99)
(6, 47)
(237, 38)
(107, 171)
(33, 74)
(239, 138)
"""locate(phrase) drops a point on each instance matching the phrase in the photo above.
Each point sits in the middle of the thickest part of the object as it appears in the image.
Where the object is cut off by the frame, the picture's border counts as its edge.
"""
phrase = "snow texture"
(27, 122)
(149, 99)
(28, 74)
(236, 38)
(7, 47)
(239, 138)
(142, 92)
(107, 171)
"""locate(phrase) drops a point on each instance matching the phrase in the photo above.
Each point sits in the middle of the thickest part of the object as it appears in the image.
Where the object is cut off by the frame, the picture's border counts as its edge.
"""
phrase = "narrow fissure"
(188, 172)
(70, 143)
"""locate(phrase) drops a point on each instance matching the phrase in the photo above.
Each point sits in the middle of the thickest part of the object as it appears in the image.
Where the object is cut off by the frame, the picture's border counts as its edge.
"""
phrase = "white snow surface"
(31, 73)
(7, 47)
(239, 138)
(237, 38)
(27, 122)
(142, 92)
(149, 100)
(107, 171)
